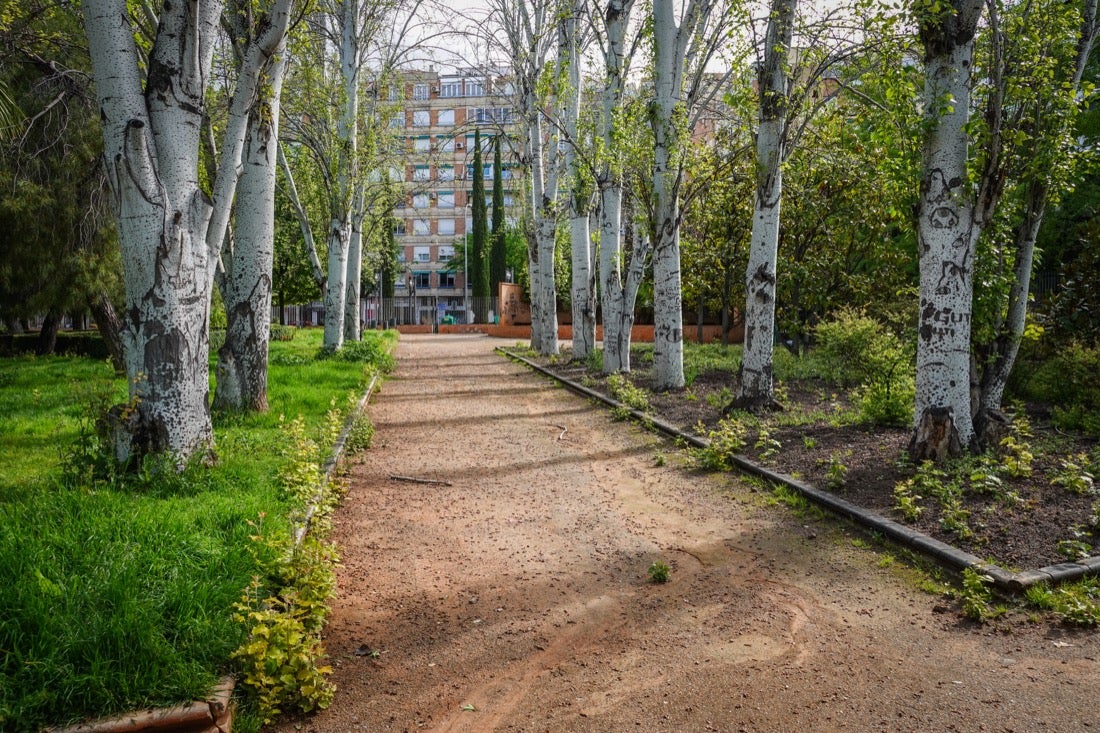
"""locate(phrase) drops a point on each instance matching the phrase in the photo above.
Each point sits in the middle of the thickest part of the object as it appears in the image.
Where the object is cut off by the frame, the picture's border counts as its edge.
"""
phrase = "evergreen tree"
(497, 251)
(477, 267)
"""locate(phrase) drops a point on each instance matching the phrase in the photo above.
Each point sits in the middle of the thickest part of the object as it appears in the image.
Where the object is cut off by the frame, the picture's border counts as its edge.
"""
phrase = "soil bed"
(1025, 523)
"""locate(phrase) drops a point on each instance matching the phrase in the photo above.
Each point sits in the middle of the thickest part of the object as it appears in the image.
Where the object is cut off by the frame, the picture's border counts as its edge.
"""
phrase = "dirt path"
(520, 590)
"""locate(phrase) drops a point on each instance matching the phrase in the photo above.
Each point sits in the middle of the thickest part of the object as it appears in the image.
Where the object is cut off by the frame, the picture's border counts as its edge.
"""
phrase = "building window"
(509, 199)
(445, 144)
(422, 173)
(423, 280)
(399, 227)
(486, 172)
(450, 89)
(446, 172)
(422, 118)
(505, 88)
(446, 200)
(395, 93)
(396, 174)
(475, 87)
(420, 201)
(422, 227)
(420, 91)
(446, 278)
(446, 226)
(446, 253)
(398, 120)
(422, 254)
(422, 144)
(492, 115)
(401, 256)
(446, 117)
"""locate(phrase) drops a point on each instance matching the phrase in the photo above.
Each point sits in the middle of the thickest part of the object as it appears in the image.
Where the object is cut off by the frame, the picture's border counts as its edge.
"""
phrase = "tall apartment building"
(438, 121)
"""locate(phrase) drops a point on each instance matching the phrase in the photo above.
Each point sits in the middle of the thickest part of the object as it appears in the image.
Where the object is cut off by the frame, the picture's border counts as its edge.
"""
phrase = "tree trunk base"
(755, 405)
(936, 437)
(990, 428)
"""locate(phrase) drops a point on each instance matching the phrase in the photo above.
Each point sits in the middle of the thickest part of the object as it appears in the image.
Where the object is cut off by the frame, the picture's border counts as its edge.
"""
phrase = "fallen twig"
(415, 480)
(563, 429)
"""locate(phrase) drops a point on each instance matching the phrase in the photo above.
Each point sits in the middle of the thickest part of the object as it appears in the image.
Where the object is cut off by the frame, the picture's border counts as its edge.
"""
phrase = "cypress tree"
(498, 261)
(477, 267)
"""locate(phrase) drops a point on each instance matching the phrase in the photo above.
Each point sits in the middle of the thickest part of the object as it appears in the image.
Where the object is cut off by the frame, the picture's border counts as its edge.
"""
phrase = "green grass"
(117, 592)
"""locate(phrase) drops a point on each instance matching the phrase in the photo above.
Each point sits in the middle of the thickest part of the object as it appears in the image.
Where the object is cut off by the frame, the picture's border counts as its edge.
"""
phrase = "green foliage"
(1073, 475)
(1075, 603)
(279, 332)
(659, 572)
(1067, 381)
(907, 501)
(975, 596)
(836, 471)
(167, 552)
(624, 391)
(1016, 452)
(854, 349)
(768, 447)
(284, 609)
(726, 440)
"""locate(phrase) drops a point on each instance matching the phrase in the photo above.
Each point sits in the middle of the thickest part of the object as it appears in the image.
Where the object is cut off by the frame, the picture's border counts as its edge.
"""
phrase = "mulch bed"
(1019, 528)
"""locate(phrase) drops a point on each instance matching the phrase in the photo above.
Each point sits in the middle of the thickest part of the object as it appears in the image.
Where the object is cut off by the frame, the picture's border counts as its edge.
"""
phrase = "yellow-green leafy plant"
(726, 440)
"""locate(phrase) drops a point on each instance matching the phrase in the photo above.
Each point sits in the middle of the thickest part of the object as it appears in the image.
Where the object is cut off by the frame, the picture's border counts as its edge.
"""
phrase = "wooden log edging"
(947, 555)
(214, 715)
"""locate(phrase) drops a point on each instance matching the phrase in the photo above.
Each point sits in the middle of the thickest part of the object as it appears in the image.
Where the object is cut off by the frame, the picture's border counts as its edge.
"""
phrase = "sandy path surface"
(516, 598)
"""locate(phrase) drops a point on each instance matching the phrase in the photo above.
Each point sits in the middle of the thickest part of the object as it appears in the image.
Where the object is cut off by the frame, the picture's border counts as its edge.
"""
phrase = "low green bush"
(858, 351)
(1068, 382)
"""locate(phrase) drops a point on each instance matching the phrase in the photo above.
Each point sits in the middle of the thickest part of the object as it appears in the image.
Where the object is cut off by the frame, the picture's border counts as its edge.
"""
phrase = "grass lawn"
(117, 592)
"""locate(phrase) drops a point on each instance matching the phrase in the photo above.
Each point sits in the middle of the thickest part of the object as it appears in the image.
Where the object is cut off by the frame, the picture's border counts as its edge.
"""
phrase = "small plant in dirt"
(907, 501)
(726, 440)
(809, 442)
(1016, 451)
(623, 390)
(659, 572)
(659, 458)
(1074, 477)
(976, 596)
(767, 446)
(836, 471)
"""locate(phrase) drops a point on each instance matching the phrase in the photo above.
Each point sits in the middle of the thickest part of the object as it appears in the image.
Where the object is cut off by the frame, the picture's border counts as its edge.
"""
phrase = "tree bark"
(170, 231)
(617, 304)
(755, 385)
(946, 238)
(108, 323)
(241, 371)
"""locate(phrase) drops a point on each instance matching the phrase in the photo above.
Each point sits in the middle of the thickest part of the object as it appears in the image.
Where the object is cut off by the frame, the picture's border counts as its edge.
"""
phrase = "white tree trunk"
(947, 235)
(242, 359)
(339, 238)
(755, 388)
(540, 261)
(336, 283)
(169, 233)
(617, 303)
(668, 326)
(353, 327)
(583, 285)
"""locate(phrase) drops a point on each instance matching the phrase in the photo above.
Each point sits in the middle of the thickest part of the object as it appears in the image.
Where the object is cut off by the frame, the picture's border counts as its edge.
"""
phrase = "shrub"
(856, 350)
(1067, 381)
(279, 332)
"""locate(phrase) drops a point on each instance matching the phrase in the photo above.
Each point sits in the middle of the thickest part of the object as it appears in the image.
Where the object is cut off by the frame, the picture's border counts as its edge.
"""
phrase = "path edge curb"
(947, 555)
